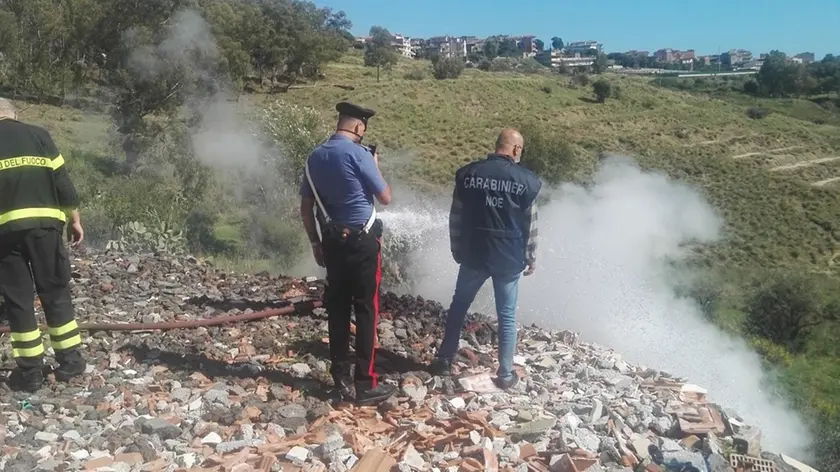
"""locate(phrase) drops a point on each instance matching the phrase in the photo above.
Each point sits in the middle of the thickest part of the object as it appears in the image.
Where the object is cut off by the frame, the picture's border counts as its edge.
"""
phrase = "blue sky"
(705, 26)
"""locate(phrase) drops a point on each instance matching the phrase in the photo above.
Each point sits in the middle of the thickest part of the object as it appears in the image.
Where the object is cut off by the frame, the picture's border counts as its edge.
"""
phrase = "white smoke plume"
(602, 272)
(223, 139)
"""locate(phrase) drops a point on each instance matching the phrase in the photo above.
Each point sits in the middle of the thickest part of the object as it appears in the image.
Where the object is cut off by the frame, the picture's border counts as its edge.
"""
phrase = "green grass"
(773, 218)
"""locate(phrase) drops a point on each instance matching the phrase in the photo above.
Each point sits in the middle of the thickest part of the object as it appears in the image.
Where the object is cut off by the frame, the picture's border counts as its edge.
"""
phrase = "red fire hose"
(187, 324)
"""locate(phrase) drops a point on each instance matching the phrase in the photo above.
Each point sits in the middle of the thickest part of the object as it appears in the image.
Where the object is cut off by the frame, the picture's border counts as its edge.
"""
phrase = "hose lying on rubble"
(301, 307)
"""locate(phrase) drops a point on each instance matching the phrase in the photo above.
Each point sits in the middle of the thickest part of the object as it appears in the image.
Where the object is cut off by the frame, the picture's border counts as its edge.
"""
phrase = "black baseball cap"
(354, 111)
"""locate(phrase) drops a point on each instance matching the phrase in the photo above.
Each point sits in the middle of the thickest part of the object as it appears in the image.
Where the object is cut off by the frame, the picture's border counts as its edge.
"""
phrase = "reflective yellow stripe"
(72, 341)
(32, 213)
(32, 161)
(28, 351)
(28, 336)
(63, 329)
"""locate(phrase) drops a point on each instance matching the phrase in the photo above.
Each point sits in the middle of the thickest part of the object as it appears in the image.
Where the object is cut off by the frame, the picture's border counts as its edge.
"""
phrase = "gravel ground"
(257, 395)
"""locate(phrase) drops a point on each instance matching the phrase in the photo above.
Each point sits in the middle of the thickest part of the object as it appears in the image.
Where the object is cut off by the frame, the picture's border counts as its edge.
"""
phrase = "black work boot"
(70, 364)
(507, 383)
(440, 368)
(26, 380)
(365, 395)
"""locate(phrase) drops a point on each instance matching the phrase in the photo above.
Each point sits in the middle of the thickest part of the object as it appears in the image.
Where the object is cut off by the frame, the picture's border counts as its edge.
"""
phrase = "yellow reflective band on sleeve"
(63, 329)
(31, 161)
(66, 344)
(26, 337)
(32, 213)
(28, 351)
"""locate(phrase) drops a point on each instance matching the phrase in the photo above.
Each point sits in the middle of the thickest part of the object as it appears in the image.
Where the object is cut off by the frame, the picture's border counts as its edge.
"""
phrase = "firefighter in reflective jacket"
(36, 195)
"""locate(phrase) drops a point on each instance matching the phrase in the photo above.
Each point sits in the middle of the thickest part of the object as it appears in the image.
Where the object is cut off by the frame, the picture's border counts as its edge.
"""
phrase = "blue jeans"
(505, 291)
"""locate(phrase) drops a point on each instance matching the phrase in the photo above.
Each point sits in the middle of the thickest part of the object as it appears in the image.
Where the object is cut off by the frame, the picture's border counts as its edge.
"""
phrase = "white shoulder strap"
(315, 192)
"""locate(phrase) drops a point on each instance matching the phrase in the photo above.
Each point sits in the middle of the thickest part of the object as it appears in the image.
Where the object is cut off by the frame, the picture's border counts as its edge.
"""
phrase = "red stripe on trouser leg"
(378, 278)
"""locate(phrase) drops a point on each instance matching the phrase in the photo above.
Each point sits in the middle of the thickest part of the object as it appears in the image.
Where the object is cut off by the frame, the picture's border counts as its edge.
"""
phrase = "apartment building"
(557, 59)
(583, 48)
(403, 45)
(673, 56)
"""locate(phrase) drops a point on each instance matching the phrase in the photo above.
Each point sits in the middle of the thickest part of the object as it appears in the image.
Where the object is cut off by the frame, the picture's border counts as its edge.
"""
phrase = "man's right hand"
(531, 268)
(318, 254)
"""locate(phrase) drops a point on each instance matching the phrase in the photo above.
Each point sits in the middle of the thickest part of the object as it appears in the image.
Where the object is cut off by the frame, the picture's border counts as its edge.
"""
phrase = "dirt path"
(802, 164)
(821, 183)
(771, 151)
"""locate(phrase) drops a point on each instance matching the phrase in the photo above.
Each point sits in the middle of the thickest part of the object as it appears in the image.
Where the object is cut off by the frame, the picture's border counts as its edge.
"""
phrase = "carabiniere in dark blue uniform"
(497, 235)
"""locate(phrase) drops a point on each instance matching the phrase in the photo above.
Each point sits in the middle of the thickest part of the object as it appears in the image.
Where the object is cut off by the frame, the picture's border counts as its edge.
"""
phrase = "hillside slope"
(774, 218)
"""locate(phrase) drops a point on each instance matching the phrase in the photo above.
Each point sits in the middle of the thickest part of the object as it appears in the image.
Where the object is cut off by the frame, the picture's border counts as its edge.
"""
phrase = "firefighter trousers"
(353, 277)
(37, 254)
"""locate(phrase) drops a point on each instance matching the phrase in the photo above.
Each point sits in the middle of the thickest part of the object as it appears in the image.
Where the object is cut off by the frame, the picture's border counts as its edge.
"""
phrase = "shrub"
(580, 79)
(602, 90)
(417, 74)
(757, 113)
(448, 68)
(751, 87)
(502, 64)
(547, 89)
(785, 308)
(770, 352)
(295, 130)
(549, 155)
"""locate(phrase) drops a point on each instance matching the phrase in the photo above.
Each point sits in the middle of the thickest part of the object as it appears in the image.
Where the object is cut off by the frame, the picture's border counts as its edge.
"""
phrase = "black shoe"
(508, 383)
(26, 380)
(440, 368)
(371, 396)
(70, 365)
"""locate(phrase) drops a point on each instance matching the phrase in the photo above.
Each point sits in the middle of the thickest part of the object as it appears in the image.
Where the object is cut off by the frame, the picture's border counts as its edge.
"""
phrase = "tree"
(491, 48)
(508, 48)
(556, 43)
(540, 44)
(448, 68)
(600, 64)
(602, 90)
(786, 308)
(773, 77)
(379, 53)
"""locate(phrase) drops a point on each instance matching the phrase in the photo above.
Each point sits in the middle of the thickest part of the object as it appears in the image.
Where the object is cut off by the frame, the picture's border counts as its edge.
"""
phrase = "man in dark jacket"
(493, 233)
(36, 196)
(342, 178)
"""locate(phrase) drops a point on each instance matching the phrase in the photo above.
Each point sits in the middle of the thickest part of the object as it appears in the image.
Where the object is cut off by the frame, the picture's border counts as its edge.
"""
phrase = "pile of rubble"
(257, 396)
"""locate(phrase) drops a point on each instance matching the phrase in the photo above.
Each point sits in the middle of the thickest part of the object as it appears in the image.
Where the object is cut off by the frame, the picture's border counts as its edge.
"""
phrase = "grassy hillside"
(776, 215)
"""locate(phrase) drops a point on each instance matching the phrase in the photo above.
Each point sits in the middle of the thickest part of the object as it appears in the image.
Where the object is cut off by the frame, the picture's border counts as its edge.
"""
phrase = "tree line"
(56, 49)
(779, 77)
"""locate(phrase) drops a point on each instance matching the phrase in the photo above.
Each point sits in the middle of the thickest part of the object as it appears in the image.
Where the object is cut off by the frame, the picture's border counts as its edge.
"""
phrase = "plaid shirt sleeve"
(455, 225)
(533, 234)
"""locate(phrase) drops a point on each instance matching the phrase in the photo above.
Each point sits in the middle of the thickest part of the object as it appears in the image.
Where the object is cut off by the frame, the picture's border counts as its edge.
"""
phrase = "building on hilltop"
(446, 46)
(400, 43)
(583, 48)
(806, 57)
(557, 59)
(403, 45)
(674, 56)
(736, 57)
